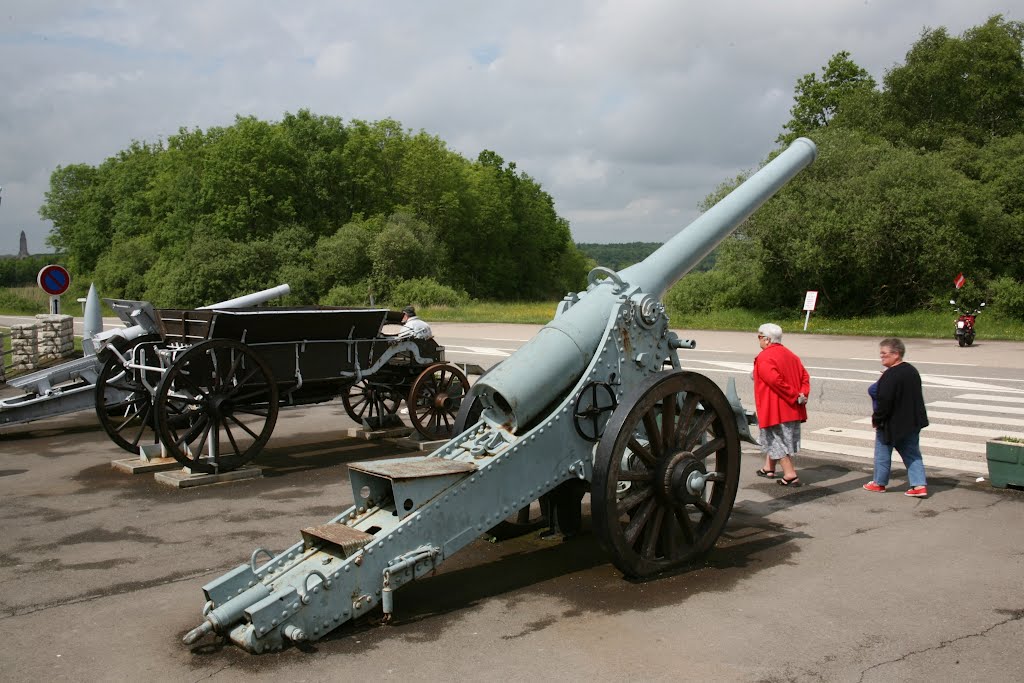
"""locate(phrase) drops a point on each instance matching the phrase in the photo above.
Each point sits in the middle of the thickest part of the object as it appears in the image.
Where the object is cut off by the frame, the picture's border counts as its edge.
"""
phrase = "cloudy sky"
(628, 112)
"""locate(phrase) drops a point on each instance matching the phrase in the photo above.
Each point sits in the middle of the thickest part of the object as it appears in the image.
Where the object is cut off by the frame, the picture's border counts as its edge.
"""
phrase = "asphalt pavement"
(102, 574)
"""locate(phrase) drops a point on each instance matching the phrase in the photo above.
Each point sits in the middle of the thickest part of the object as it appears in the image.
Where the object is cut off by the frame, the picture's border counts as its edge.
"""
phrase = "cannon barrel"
(523, 385)
(147, 326)
(254, 299)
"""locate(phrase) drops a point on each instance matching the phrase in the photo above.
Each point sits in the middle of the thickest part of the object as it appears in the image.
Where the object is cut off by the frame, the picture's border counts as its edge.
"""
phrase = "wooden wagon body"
(209, 383)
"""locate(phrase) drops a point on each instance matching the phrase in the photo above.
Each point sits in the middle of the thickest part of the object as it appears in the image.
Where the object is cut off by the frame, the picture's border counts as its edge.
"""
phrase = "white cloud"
(334, 61)
(627, 111)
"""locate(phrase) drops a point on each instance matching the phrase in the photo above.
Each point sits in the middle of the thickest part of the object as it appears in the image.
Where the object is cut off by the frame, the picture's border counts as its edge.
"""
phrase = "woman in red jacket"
(781, 388)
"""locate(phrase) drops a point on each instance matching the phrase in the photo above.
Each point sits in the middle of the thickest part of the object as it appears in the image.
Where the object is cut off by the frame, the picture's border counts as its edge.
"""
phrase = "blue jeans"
(909, 448)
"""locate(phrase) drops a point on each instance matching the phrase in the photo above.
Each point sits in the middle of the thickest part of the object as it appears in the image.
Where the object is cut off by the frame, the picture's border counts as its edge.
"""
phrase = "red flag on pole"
(959, 281)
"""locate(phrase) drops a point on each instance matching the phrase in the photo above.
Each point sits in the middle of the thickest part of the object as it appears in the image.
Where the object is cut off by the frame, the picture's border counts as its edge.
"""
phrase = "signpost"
(54, 280)
(809, 302)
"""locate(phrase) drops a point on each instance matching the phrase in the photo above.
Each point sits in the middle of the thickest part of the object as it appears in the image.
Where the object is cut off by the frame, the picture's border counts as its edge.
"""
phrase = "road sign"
(54, 279)
(809, 302)
(959, 281)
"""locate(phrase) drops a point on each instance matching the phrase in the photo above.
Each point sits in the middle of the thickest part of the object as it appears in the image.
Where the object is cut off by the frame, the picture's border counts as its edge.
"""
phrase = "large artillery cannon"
(597, 399)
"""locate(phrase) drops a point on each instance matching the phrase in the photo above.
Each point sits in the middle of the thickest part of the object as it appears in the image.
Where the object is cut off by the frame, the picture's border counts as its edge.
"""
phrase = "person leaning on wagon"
(781, 387)
(413, 327)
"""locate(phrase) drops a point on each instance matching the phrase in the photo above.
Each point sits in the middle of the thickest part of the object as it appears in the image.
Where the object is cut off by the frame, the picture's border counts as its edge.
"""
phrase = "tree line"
(340, 211)
(917, 180)
(16, 272)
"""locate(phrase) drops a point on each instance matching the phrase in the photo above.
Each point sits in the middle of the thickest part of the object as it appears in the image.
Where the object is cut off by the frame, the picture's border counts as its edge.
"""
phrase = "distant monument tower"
(23, 247)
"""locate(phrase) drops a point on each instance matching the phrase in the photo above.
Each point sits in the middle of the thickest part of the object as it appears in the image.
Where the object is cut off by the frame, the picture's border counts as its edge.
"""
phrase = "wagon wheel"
(469, 413)
(435, 399)
(665, 473)
(124, 406)
(366, 401)
(228, 395)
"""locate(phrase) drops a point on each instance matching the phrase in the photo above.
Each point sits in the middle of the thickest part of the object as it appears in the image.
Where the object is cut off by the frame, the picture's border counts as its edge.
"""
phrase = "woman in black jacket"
(898, 418)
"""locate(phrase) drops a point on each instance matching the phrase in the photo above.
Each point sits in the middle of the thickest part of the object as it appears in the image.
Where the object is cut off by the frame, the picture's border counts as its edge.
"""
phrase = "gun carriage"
(597, 401)
(70, 386)
(207, 383)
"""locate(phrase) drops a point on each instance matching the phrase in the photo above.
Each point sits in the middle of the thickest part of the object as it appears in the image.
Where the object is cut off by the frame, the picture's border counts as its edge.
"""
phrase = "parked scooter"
(965, 324)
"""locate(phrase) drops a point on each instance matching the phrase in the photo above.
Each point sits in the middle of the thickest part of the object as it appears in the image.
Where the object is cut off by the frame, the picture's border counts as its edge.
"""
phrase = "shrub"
(425, 291)
(707, 291)
(28, 300)
(347, 295)
(1006, 298)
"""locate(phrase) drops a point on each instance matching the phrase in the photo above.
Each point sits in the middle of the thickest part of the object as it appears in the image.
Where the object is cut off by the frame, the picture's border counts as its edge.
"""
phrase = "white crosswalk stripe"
(868, 454)
(946, 434)
(987, 397)
(479, 350)
(958, 429)
(963, 417)
(1002, 410)
(865, 435)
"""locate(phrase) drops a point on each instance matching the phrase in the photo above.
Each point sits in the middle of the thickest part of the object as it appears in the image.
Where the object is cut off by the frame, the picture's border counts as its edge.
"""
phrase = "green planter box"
(1005, 462)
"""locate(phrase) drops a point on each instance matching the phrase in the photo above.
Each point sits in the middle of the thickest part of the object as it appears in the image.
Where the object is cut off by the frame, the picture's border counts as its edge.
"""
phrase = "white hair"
(772, 331)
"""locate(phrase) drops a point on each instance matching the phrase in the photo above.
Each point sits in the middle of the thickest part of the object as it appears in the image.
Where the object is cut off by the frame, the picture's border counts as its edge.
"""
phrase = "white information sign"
(810, 300)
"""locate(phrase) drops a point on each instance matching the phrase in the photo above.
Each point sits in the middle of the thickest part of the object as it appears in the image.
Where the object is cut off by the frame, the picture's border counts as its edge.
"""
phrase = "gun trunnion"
(588, 404)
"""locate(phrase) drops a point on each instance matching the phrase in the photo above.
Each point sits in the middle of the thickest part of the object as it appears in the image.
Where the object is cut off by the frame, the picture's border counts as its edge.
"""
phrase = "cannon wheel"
(125, 413)
(228, 395)
(366, 400)
(527, 518)
(665, 473)
(435, 399)
(471, 407)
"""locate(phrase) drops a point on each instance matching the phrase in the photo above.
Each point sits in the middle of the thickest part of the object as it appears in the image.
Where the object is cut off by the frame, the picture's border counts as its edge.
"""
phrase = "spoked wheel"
(124, 405)
(435, 399)
(471, 407)
(665, 474)
(216, 407)
(366, 402)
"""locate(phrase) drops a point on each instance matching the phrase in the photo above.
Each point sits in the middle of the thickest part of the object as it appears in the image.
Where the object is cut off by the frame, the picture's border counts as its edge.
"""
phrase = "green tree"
(80, 213)
(874, 228)
(121, 271)
(914, 183)
(323, 206)
(817, 100)
(970, 86)
(406, 248)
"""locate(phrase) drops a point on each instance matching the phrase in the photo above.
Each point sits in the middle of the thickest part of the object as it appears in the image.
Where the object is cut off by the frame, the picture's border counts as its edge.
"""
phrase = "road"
(101, 571)
(973, 394)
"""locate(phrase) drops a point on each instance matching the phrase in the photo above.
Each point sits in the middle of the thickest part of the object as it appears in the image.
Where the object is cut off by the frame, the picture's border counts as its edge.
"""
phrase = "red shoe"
(877, 488)
(917, 491)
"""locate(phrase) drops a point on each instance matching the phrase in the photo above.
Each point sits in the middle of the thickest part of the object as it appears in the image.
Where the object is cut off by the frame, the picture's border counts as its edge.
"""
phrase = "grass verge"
(922, 324)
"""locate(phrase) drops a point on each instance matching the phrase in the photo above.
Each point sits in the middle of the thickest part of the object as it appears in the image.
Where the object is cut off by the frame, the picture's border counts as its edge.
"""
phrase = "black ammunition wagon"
(207, 383)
